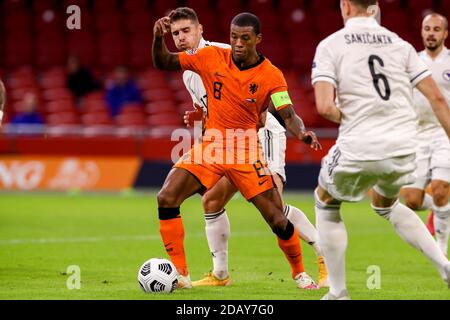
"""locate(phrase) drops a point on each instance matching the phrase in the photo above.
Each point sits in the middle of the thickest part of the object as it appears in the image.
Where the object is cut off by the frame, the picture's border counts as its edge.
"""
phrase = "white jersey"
(429, 126)
(373, 71)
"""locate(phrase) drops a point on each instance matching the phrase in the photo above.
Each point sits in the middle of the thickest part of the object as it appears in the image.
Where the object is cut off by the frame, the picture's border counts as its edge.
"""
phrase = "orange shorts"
(251, 179)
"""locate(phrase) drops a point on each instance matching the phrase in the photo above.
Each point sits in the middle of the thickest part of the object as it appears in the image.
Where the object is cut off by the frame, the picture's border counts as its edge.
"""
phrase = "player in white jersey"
(370, 71)
(187, 35)
(433, 154)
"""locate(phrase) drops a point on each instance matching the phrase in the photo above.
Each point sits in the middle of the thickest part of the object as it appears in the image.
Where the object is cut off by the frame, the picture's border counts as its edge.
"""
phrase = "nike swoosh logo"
(219, 75)
(261, 183)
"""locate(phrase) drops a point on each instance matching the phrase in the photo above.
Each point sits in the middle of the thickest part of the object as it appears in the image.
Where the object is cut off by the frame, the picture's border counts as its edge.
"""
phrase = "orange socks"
(172, 234)
(293, 252)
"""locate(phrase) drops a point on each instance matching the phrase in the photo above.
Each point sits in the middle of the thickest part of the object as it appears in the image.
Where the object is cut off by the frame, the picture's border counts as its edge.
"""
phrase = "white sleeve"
(189, 89)
(323, 68)
(416, 68)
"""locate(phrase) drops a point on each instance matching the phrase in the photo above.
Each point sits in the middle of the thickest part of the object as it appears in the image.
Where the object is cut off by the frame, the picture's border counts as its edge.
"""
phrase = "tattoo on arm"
(293, 122)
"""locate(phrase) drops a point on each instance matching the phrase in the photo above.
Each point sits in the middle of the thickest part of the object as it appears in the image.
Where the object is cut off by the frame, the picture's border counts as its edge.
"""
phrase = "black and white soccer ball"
(158, 275)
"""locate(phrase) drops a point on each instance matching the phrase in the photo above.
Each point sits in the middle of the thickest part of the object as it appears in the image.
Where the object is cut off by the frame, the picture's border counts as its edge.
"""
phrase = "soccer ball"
(158, 275)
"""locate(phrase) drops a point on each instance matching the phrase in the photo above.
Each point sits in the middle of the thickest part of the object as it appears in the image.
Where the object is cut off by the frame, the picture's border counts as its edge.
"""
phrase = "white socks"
(333, 241)
(442, 227)
(305, 228)
(427, 202)
(412, 230)
(218, 232)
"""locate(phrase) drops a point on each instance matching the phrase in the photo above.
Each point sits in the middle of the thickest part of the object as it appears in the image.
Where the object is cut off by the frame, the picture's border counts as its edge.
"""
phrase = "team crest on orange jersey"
(253, 88)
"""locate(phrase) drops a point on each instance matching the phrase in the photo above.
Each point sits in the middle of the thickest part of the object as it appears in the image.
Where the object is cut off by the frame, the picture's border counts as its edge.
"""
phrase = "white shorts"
(274, 149)
(348, 180)
(433, 162)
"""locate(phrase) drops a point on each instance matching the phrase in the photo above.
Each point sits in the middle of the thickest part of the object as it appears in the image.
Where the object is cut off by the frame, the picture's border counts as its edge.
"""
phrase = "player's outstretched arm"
(296, 126)
(325, 101)
(430, 90)
(2, 101)
(162, 58)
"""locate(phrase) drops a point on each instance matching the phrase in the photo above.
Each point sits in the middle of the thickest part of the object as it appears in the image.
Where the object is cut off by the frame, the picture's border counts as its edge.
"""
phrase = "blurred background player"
(224, 72)
(29, 114)
(121, 91)
(80, 80)
(2, 101)
(433, 155)
(187, 34)
(375, 148)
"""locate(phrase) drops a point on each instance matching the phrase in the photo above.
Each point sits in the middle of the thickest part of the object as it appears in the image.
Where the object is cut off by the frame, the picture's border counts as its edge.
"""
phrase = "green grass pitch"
(110, 236)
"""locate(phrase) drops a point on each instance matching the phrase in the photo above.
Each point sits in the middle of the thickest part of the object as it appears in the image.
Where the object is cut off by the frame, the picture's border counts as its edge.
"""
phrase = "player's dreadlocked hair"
(247, 20)
(183, 13)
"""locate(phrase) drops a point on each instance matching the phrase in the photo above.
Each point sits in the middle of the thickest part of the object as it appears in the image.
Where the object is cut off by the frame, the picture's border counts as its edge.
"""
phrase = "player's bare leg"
(440, 190)
(418, 200)
(217, 232)
(179, 186)
(306, 231)
(270, 205)
(412, 230)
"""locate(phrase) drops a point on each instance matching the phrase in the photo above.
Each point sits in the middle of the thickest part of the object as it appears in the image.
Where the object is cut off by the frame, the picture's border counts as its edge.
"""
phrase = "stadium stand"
(36, 44)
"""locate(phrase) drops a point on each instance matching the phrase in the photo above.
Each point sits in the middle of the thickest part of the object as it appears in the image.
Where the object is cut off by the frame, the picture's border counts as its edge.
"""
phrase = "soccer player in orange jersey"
(240, 85)
(187, 34)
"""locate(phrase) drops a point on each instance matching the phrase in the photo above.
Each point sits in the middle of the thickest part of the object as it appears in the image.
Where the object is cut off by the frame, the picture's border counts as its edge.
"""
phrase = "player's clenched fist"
(310, 138)
(162, 27)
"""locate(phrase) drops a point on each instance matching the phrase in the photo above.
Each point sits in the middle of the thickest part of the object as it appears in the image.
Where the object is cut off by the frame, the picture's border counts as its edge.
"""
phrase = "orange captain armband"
(281, 99)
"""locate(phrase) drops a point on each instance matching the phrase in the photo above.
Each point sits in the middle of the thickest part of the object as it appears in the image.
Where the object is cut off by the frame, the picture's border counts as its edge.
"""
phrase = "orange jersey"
(236, 98)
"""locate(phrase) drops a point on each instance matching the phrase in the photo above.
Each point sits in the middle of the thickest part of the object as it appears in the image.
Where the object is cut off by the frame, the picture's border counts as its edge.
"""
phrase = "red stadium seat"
(52, 81)
(113, 50)
(94, 119)
(19, 94)
(139, 22)
(157, 94)
(57, 94)
(83, 45)
(163, 8)
(83, 4)
(131, 120)
(165, 120)
(136, 6)
(94, 106)
(60, 107)
(328, 22)
(21, 81)
(18, 49)
(63, 118)
(417, 5)
(110, 22)
(43, 5)
(103, 6)
(140, 51)
(13, 5)
(132, 108)
(16, 21)
(160, 107)
(50, 50)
